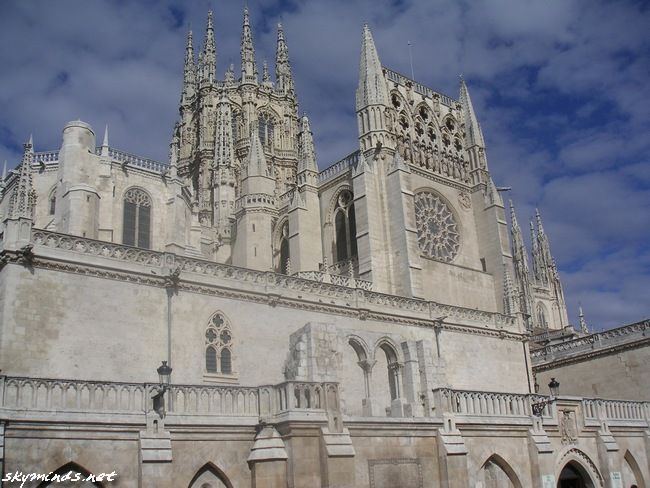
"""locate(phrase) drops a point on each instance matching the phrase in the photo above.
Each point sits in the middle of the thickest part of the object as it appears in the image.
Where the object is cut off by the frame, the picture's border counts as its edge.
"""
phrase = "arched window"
(346, 227)
(52, 202)
(265, 127)
(284, 266)
(218, 345)
(236, 116)
(137, 218)
(542, 320)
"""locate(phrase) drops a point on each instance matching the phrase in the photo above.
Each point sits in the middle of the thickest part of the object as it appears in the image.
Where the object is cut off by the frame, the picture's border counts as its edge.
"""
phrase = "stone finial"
(23, 198)
(584, 328)
(189, 71)
(248, 66)
(372, 89)
(266, 78)
(283, 76)
(209, 54)
(306, 151)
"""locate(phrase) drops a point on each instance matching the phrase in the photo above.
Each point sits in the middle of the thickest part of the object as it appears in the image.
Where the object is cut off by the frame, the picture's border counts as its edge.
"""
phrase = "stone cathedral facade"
(367, 324)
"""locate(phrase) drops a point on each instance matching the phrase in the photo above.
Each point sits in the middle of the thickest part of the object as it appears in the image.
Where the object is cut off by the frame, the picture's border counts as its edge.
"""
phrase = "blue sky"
(561, 90)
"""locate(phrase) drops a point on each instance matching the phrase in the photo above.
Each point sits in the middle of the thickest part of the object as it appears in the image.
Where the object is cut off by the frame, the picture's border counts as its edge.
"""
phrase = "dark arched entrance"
(574, 476)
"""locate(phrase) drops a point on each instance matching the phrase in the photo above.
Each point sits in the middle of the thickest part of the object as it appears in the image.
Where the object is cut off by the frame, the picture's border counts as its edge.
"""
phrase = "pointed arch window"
(542, 320)
(52, 202)
(266, 127)
(218, 346)
(284, 264)
(137, 218)
(346, 227)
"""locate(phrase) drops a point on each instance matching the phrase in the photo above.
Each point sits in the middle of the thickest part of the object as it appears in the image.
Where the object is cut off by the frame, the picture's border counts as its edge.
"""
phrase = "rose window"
(438, 234)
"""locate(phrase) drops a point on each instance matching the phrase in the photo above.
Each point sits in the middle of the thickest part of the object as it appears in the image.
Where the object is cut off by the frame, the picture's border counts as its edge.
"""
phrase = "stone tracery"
(438, 234)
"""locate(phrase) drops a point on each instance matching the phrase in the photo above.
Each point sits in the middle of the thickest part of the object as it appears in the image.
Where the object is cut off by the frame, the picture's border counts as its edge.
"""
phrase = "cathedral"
(235, 316)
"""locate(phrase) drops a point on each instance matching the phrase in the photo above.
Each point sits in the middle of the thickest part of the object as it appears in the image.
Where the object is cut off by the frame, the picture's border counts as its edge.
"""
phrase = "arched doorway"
(209, 476)
(70, 475)
(573, 475)
(497, 473)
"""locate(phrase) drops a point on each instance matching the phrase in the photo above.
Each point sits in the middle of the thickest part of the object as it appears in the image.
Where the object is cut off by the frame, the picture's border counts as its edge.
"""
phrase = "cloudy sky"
(561, 89)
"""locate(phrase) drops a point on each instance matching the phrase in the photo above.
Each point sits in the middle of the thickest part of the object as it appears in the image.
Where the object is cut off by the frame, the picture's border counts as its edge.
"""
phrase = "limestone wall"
(622, 374)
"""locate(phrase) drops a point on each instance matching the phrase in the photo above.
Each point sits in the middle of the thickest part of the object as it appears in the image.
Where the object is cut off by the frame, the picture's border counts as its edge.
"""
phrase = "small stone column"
(268, 459)
(368, 403)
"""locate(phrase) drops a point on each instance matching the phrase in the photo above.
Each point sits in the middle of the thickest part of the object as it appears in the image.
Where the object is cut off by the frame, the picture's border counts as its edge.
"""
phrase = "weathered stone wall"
(622, 374)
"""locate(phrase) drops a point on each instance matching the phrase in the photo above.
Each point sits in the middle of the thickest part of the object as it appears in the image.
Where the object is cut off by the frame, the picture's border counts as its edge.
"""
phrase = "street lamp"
(164, 374)
(554, 388)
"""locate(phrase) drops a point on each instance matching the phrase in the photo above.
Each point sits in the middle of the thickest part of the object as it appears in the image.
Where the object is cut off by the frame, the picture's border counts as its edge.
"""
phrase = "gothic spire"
(23, 198)
(283, 76)
(306, 152)
(189, 71)
(256, 159)
(510, 301)
(584, 328)
(209, 58)
(519, 251)
(223, 155)
(372, 88)
(248, 67)
(473, 132)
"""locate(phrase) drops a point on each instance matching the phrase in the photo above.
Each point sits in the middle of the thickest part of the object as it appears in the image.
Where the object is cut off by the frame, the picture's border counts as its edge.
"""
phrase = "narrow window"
(483, 266)
(345, 228)
(52, 203)
(226, 365)
(284, 250)
(211, 360)
(137, 219)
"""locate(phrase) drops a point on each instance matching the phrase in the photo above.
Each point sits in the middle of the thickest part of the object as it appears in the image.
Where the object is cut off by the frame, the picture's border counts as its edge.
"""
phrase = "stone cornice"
(114, 261)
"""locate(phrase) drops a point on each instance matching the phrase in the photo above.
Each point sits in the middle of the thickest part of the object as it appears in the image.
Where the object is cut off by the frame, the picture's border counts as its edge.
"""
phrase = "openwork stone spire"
(306, 151)
(473, 132)
(248, 67)
(189, 72)
(209, 58)
(223, 155)
(23, 198)
(510, 301)
(283, 76)
(372, 88)
(519, 251)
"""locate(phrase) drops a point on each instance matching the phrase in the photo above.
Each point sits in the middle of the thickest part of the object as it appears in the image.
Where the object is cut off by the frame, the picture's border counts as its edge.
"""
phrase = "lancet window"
(136, 229)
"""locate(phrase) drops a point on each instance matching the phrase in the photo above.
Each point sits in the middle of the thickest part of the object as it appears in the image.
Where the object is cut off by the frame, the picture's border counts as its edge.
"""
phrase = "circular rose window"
(438, 235)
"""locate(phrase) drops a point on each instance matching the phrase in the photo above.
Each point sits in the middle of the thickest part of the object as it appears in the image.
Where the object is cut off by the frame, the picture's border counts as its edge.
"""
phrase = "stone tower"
(214, 137)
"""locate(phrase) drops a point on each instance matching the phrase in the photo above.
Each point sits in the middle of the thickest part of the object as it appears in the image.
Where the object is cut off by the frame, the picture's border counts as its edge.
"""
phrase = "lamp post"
(554, 388)
(164, 374)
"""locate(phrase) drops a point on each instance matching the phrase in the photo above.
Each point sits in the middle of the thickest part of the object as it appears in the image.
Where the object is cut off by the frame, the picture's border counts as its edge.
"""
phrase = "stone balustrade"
(486, 404)
(55, 395)
(140, 162)
(419, 88)
(615, 410)
(352, 291)
(339, 167)
(606, 339)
